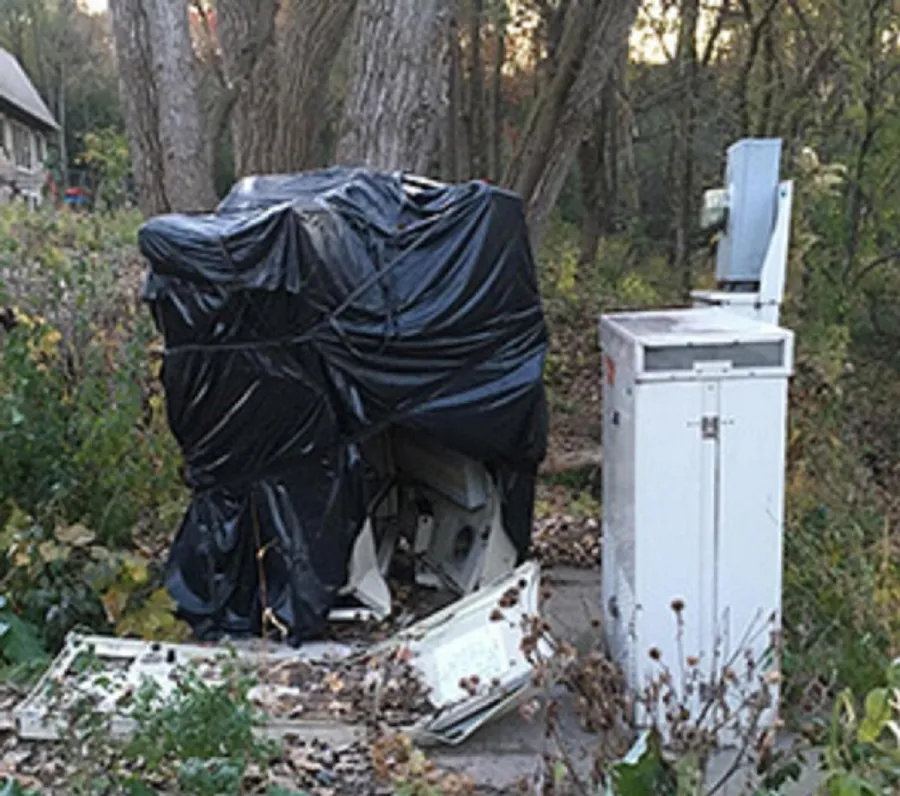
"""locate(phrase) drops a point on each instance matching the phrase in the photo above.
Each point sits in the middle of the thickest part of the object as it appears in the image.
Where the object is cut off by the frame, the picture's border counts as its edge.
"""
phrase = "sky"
(95, 6)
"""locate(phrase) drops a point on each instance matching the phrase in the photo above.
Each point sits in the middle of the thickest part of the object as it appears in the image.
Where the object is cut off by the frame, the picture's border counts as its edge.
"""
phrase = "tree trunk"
(595, 33)
(66, 11)
(187, 155)
(477, 128)
(684, 149)
(769, 82)
(451, 169)
(398, 85)
(757, 28)
(872, 96)
(312, 34)
(497, 105)
(250, 68)
(38, 35)
(61, 117)
(598, 165)
(131, 33)
(590, 167)
(611, 150)
(171, 156)
(627, 127)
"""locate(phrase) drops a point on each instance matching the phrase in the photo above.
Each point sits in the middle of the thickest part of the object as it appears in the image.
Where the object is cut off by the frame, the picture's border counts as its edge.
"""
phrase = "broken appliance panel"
(459, 540)
(465, 641)
(443, 506)
(695, 406)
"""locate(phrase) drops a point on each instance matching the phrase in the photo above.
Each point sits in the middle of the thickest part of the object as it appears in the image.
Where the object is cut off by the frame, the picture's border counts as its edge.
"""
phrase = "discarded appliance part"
(462, 642)
(460, 539)
(457, 477)
(107, 669)
(365, 584)
(307, 316)
(693, 489)
(458, 642)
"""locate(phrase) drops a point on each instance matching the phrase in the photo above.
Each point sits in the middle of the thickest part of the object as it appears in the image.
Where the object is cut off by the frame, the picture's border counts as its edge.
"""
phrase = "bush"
(88, 467)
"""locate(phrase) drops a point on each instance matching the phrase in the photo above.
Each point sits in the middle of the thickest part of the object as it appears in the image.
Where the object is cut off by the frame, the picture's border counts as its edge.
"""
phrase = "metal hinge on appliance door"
(709, 427)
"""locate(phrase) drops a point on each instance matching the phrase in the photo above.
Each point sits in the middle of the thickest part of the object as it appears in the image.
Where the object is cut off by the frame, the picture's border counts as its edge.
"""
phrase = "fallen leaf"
(75, 535)
(51, 552)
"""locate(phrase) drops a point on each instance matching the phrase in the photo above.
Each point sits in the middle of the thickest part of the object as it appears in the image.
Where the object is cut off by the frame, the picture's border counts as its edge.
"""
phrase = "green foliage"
(20, 641)
(643, 770)
(88, 467)
(862, 755)
(11, 787)
(200, 739)
(842, 578)
(197, 727)
(106, 154)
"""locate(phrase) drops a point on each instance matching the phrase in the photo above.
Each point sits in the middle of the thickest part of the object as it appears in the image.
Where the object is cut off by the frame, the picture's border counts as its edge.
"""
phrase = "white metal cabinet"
(694, 425)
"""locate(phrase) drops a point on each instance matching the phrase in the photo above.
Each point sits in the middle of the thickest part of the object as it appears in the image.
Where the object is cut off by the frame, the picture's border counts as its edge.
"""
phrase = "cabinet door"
(676, 516)
(751, 506)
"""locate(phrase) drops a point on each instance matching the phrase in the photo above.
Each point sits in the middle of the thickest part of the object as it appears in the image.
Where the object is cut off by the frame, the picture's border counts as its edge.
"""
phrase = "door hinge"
(709, 427)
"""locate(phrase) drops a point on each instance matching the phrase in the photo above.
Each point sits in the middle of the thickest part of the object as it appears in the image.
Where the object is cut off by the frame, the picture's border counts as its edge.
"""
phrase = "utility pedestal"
(694, 427)
(694, 406)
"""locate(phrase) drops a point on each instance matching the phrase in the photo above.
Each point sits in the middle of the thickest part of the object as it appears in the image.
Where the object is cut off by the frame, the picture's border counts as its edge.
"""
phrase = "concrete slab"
(499, 756)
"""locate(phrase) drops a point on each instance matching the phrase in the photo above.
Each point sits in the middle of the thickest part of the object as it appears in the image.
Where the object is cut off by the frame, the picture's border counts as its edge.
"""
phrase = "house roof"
(17, 90)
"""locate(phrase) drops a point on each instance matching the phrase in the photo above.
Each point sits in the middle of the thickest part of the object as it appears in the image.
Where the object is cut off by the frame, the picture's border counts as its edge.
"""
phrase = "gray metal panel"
(743, 356)
(751, 176)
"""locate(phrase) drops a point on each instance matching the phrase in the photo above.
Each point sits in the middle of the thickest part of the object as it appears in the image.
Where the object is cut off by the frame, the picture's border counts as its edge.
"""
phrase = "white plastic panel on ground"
(119, 666)
(465, 639)
(468, 638)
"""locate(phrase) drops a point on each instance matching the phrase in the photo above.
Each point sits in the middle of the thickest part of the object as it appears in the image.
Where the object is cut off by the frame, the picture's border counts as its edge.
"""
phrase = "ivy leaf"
(642, 770)
(849, 785)
(11, 787)
(20, 641)
(878, 714)
(136, 570)
(893, 674)
(114, 602)
(155, 620)
(137, 787)
(51, 552)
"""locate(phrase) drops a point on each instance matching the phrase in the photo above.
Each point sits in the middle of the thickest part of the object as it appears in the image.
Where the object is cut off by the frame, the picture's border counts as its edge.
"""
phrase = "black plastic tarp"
(310, 312)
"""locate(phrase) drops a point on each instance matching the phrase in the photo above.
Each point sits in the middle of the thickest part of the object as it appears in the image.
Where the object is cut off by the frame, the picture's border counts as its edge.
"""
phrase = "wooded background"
(613, 113)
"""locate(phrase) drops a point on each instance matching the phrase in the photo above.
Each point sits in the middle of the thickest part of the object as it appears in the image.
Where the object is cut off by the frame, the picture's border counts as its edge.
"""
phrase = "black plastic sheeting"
(310, 312)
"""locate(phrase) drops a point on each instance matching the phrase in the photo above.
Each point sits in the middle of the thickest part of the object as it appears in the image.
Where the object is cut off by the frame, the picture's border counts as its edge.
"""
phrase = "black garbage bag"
(310, 312)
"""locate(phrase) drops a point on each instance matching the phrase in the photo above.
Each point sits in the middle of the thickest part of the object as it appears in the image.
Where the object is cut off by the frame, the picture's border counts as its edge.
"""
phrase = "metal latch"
(709, 427)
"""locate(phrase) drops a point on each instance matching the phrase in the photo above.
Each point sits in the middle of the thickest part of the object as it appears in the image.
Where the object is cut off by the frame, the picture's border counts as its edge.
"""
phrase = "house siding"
(28, 174)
